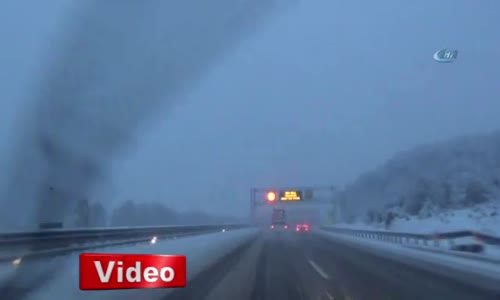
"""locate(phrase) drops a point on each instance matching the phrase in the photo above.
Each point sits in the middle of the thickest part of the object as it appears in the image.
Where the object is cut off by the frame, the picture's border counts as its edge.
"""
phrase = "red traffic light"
(271, 196)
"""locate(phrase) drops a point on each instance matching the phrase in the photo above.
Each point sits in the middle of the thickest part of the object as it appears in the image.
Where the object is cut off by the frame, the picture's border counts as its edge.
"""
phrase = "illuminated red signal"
(271, 196)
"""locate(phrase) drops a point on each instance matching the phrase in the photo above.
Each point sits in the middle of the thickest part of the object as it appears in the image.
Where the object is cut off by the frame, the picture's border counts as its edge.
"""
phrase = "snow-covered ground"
(444, 186)
(479, 218)
(448, 186)
(483, 218)
(200, 252)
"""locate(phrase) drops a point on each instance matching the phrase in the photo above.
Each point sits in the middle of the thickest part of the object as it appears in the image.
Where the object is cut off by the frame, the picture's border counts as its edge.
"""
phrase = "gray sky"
(326, 91)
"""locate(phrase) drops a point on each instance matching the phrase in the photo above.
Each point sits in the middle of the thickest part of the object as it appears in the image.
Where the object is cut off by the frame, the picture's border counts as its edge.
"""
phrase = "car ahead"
(302, 227)
(279, 227)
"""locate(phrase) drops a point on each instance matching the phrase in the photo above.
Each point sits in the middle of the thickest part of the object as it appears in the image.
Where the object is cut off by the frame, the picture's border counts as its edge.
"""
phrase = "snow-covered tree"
(448, 175)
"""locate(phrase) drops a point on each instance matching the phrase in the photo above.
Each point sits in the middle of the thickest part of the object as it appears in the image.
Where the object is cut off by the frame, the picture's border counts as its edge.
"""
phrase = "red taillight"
(302, 227)
(272, 226)
(286, 226)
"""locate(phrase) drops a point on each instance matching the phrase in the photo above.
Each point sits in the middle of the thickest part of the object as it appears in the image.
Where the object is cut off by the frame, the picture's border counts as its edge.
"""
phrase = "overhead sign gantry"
(288, 196)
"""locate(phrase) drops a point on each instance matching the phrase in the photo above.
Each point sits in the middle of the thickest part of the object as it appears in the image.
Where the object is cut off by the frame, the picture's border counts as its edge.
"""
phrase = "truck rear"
(278, 220)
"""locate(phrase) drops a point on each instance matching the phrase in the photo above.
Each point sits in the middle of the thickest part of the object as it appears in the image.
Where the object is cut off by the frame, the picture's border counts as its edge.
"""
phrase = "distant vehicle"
(302, 227)
(279, 226)
(278, 220)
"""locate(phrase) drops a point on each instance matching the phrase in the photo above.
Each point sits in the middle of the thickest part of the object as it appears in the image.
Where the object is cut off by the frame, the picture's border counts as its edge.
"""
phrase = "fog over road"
(116, 66)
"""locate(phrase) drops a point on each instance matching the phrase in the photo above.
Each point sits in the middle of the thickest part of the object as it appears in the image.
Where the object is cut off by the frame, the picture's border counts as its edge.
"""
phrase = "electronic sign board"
(290, 195)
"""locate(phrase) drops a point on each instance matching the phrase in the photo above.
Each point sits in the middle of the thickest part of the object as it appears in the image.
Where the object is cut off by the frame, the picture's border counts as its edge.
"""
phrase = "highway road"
(307, 266)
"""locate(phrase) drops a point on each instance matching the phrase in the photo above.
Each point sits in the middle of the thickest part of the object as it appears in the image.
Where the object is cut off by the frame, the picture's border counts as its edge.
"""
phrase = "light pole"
(337, 206)
(252, 206)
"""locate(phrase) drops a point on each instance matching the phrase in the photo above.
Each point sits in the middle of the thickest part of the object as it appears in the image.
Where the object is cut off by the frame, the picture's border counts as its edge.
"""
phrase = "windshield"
(149, 148)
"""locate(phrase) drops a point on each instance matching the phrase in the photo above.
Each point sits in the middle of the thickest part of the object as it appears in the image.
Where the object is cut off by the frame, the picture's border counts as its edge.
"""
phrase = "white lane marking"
(318, 269)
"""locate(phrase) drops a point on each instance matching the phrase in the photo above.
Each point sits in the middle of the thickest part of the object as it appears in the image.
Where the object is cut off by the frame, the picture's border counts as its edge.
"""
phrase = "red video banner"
(131, 271)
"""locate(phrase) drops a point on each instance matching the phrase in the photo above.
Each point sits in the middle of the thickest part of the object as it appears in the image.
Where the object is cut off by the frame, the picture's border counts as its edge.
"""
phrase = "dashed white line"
(318, 269)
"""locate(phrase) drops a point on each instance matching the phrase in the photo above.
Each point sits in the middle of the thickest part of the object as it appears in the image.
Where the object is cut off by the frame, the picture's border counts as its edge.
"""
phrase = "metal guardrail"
(64, 240)
(416, 238)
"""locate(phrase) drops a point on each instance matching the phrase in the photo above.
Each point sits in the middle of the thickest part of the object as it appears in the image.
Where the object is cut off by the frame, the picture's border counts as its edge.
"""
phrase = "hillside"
(429, 181)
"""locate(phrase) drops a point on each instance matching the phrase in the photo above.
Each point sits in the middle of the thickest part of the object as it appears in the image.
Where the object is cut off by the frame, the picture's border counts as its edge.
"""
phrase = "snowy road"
(318, 265)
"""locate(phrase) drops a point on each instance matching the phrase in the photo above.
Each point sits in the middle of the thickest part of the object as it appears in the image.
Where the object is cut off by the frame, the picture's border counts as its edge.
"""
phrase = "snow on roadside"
(483, 218)
(403, 254)
(200, 251)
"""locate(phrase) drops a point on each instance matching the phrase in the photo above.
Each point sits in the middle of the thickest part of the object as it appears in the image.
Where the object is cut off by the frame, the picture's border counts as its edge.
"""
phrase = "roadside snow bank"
(201, 251)
(483, 218)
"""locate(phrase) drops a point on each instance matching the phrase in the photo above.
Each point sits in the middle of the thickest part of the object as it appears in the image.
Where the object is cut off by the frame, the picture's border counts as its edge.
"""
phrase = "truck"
(278, 220)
